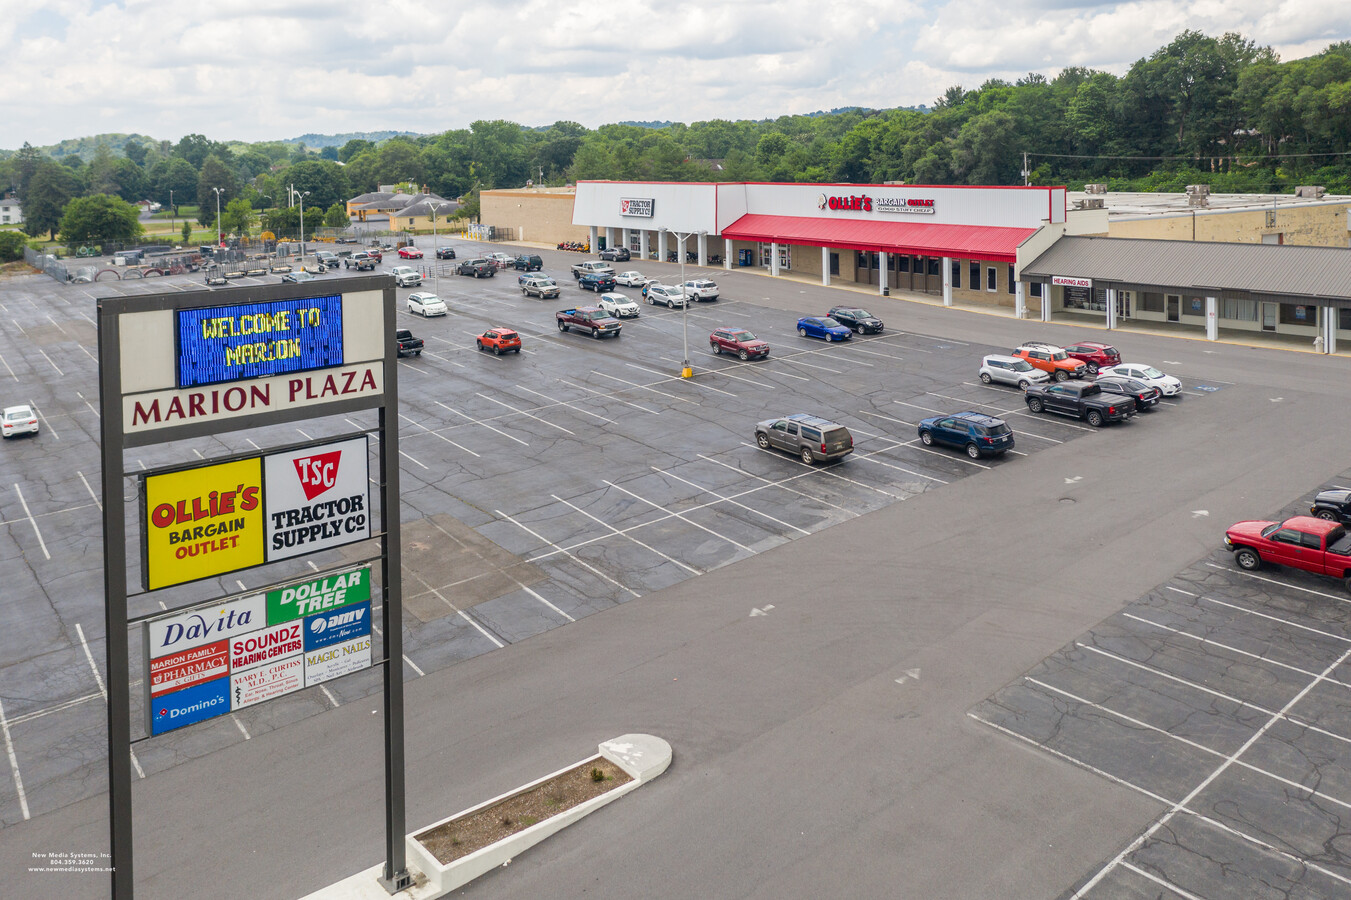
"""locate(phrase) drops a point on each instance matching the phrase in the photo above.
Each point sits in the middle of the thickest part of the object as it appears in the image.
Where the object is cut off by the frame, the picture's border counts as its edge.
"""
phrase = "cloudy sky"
(248, 70)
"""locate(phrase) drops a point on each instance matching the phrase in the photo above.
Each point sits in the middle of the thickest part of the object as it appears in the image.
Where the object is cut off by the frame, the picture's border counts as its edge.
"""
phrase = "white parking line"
(798, 362)
(524, 413)
(769, 482)
(1168, 885)
(914, 444)
(682, 517)
(14, 764)
(678, 378)
(868, 457)
(34, 522)
(570, 404)
(1261, 615)
(723, 371)
(92, 409)
(478, 422)
(590, 568)
(1293, 587)
(103, 691)
(97, 501)
(725, 499)
(824, 471)
(937, 412)
(39, 414)
(54, 365)
(8, 369)
(691, 569)
(645, 388)
(593, 391)
(426, 430)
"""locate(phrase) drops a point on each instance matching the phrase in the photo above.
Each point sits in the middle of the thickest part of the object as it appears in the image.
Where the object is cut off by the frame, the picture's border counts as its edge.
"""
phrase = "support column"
(774, 259)
(947, 281)
(1111, 308)
(703, 249)
(883, 289)
(1212, 320)
(1330, 315)
(661, 246)
(643, 244)
(727, 254)
(825, 266)
(609, 237)
(1020, 300)
(1046, 303)
(593, 238)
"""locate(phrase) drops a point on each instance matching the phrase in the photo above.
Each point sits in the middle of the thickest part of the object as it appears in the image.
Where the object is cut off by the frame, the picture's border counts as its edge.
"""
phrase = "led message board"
(255, 340)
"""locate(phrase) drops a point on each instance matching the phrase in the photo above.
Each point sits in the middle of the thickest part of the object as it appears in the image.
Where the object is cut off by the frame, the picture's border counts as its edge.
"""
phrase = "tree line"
(1222, 111)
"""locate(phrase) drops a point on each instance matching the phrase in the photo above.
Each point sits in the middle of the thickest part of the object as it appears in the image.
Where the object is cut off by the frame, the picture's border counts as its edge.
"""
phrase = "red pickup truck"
(589, 318)
(1301, 542)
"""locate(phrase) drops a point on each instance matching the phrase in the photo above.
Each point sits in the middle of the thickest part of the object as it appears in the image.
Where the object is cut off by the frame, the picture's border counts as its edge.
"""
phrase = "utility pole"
(1026, 174)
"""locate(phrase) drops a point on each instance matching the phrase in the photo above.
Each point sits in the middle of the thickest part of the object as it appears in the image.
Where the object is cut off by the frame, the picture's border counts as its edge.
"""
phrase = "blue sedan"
(823, 327)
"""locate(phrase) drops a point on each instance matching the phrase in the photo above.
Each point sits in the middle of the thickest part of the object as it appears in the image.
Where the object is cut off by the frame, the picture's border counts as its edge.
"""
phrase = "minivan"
(812, 438)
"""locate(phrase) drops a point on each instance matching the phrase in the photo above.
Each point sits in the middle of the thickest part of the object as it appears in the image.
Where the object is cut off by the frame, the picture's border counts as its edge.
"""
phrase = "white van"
(1011, 370)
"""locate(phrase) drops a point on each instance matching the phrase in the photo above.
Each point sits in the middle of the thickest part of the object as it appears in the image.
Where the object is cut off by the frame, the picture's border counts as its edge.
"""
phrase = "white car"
(426, 304)
(619, 306)
(661, 293)
(1011, 370)
(500, 259)
(1167, 384)
(406, 276)
(701, 289)
(632, 279)
(18, 420)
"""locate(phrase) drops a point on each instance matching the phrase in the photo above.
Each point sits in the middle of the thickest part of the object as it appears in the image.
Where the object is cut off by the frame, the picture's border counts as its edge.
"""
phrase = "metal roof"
(1232, 269)
(997, 244)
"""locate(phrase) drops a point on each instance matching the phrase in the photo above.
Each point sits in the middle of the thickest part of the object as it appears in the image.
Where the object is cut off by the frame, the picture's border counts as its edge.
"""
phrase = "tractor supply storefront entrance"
(1226, 291)
(959, 243)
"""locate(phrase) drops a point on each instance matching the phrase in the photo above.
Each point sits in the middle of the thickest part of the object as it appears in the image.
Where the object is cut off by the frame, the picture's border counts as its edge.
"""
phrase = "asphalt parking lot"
(583, 474)
(1224, 696)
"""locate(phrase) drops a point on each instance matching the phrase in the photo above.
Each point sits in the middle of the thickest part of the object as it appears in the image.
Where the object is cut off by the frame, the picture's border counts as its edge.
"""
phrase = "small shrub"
(597, 775)
(507, 822)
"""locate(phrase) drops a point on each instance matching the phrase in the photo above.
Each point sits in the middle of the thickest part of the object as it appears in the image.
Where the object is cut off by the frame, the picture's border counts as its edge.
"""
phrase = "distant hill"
(649, 124)
(337, 140)
(84, 147)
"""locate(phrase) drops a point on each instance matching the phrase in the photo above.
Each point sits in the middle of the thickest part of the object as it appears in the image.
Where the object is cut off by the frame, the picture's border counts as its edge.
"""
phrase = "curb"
(642, 756)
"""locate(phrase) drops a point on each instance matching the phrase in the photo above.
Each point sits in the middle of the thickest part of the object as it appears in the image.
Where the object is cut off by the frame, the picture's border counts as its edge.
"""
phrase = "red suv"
(739, 341)
(1094, 355)
(499, 340)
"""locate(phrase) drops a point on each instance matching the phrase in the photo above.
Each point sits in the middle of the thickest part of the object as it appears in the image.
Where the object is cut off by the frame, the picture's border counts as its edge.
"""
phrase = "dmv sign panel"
(202, 522)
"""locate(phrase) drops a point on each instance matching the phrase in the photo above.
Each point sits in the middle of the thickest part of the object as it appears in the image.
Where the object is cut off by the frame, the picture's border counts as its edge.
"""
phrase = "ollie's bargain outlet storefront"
(960, 242)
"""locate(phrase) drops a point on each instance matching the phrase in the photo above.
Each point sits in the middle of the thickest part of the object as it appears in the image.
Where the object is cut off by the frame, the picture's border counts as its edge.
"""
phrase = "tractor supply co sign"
(209, 520)
(228, 655)
(634, 206)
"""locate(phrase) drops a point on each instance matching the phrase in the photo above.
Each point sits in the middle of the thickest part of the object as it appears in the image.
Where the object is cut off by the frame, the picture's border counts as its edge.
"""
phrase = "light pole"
(171, 216)
(436, 264)
(218, 193)
(301, 195)
(686, 370)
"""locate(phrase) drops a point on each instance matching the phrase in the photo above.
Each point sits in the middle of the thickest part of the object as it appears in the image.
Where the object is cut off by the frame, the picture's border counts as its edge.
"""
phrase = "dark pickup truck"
(589, 318)
(408, 345)
(1082, 401)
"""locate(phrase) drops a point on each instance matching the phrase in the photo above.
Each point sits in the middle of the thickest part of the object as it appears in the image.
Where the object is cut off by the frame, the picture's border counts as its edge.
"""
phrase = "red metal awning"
(918, 238)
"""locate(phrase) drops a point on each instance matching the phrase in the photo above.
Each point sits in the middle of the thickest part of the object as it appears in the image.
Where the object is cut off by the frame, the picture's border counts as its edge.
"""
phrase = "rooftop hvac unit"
(1095, 189)
(1198, 195)
(1310, 191)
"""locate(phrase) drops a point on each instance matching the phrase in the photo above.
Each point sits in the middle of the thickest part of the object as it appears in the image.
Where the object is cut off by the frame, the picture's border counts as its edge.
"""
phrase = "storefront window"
(935, 266)
(1298, 315)
(956, 274)
(904, 263)
(991, 279)
(1013, 286)
(1150, 302)
(1036, 289)
(1238, 310)
(975, 276)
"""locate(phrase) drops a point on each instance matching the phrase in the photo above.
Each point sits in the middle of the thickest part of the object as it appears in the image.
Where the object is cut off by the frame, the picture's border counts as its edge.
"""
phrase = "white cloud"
(235, 69)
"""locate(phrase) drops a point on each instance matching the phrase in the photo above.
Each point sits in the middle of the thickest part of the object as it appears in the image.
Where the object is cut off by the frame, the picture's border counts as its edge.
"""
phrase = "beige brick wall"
(1310, 226)
(535, 215)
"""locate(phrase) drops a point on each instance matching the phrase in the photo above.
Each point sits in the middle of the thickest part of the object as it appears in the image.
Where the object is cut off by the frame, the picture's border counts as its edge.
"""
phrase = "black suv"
(1146, 397)
(859, 320)
(1332, 505)
(616, 254)
(479, 268)
(528, 263)
(810, 437)
(445, 252)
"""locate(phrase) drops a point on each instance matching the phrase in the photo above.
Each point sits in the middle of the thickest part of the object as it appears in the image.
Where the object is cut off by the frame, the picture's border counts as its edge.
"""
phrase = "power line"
(1194, 158)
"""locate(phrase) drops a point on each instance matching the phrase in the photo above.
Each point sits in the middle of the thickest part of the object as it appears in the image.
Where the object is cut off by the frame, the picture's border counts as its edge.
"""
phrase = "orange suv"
(1052, 360)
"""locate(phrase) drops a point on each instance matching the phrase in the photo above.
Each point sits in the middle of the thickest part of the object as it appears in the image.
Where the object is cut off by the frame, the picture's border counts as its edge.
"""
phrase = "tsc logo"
(623, 207)
(318, 473)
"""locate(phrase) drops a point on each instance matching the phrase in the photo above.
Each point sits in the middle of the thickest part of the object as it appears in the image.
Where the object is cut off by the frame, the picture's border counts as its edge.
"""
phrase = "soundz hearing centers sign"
(214, 519)
(226, 656)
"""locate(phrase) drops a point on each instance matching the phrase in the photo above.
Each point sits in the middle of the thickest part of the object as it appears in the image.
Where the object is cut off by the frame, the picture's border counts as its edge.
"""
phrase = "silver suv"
(406, 276)
(810, 437)
(701, 289)
(1011, 370)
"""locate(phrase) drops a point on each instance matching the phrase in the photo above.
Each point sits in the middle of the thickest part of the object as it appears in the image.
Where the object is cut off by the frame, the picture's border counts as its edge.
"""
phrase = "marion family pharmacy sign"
(228, 655)
(209, 520)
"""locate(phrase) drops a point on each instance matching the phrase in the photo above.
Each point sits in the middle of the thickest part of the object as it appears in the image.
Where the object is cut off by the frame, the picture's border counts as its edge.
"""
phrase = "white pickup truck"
(592, 265)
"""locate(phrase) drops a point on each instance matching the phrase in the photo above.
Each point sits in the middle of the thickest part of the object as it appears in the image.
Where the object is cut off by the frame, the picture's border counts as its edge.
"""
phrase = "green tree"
(353, 148)
(215, 174)
(187, 232)
(336, 216)
(195, 149)
(323, 179)
(11, 245)
(99, 217)
(25, 166)
(49, 190)
(400, 160)
(173, 174)
(238, 217)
